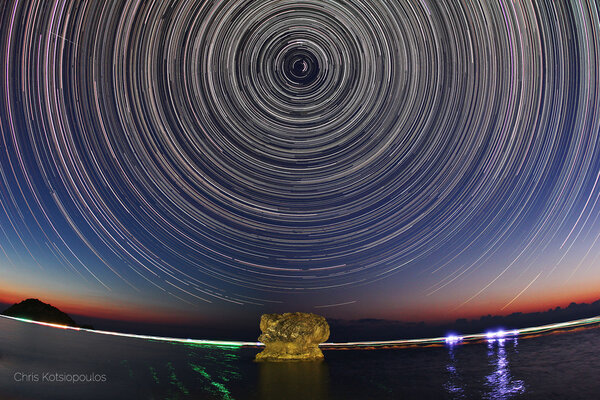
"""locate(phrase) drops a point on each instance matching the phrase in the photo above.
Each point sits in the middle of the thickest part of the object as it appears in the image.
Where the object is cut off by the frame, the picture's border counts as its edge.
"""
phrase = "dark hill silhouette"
(37, 310)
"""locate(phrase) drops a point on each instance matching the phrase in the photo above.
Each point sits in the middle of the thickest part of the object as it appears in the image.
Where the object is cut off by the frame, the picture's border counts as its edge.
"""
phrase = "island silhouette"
(36, 310)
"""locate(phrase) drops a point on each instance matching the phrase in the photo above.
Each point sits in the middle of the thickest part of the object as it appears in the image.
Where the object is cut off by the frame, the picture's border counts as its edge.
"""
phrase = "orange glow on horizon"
(98, 309)
(535, 304)
(120, 311)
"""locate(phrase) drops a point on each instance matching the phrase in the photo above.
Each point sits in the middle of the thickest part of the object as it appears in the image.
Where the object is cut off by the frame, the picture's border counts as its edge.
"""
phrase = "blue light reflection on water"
(500, 383)
(454, 385)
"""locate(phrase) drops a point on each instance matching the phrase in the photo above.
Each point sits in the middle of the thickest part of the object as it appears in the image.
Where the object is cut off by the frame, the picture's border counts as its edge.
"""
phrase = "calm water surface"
(565, 366)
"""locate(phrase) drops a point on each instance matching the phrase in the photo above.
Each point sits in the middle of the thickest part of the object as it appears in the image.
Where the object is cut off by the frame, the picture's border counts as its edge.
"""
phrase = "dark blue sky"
(198, 162)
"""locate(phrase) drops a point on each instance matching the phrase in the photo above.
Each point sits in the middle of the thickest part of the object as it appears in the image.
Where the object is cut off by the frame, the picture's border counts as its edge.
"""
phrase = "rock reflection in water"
(294, 380)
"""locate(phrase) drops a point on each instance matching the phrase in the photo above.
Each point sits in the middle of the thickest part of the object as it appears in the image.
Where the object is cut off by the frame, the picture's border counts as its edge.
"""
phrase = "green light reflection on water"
(125, 364)
(221, 389)
(154, 375)
(224, 355)
(211, 346)
(174, 381)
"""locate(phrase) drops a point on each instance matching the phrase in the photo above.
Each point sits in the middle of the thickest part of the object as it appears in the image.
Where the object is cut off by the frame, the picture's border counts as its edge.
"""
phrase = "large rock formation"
(292, 337)
(36, 310)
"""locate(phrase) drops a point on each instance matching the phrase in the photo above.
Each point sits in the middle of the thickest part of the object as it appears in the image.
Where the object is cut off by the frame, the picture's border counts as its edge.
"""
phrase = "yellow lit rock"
(292, 337)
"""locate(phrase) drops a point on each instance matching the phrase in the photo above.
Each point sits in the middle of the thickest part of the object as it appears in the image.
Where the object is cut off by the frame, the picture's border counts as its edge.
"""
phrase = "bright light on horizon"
(450, 340)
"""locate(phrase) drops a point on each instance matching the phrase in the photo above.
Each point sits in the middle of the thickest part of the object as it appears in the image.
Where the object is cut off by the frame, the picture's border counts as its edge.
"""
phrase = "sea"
(40, 362)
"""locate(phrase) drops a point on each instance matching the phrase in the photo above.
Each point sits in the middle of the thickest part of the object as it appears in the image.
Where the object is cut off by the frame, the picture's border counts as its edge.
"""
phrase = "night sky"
(206, 161)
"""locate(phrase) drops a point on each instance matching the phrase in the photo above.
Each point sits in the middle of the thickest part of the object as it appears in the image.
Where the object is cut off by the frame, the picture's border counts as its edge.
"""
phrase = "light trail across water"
(364, 345)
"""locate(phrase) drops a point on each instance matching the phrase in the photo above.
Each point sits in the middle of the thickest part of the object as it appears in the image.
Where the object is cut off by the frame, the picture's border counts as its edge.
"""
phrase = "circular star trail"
(242, 150)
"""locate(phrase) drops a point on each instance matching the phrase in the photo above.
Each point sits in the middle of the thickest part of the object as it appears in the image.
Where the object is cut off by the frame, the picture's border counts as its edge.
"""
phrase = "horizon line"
(451, 339)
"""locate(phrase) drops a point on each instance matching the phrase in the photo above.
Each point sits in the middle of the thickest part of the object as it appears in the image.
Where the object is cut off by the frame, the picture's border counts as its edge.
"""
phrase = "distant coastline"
(383, 329)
